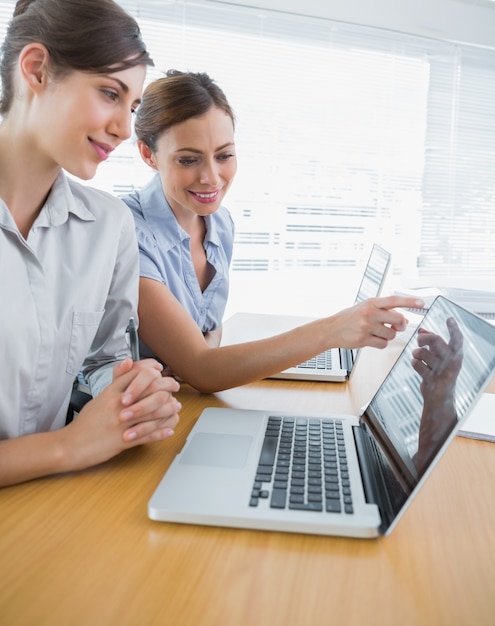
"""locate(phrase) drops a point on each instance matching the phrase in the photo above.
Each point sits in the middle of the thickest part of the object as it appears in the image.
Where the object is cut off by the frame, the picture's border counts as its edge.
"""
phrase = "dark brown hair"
(175, 98)
(95, 36)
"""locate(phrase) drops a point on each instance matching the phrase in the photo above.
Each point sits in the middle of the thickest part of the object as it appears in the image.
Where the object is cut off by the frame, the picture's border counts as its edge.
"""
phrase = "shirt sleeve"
(148, 256)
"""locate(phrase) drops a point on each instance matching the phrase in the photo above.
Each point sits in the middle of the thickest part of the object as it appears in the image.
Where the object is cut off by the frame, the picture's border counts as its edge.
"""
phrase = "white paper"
(481, 422)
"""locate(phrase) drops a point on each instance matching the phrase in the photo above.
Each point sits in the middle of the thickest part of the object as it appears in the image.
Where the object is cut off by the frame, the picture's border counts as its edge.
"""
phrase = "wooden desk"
(79, 550)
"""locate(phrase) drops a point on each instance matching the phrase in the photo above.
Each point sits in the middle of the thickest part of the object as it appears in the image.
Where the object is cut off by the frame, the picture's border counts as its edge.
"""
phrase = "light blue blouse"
(165, 254)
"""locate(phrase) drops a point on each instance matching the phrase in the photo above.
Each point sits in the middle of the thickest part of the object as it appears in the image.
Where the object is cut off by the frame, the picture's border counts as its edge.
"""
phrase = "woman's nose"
(120, 125)
(209, 174)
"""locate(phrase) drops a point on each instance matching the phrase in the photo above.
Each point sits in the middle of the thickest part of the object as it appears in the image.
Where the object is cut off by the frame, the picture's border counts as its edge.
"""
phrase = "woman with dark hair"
(185, 130)
(72, 73)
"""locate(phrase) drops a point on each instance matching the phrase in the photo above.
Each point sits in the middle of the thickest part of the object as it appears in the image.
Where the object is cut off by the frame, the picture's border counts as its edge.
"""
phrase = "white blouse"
(67, 293)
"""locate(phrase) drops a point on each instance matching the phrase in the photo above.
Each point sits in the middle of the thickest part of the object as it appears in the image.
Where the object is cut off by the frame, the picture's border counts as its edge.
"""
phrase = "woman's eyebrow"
(123, 86)
(230, 144)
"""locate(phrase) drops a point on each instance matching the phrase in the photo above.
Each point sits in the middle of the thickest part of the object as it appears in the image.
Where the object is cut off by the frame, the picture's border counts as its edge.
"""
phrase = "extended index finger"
(399, 302)
(456, 338)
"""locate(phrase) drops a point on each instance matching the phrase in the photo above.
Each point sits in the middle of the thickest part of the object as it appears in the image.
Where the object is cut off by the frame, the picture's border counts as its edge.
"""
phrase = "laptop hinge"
(375, 485)
(346, 358)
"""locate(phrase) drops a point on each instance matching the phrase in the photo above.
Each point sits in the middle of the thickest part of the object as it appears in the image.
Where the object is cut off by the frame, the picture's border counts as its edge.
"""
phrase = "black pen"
(133, 340)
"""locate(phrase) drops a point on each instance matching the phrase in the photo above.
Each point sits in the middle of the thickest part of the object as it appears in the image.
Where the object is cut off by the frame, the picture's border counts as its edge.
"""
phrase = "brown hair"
(175, 98)
(95, 36)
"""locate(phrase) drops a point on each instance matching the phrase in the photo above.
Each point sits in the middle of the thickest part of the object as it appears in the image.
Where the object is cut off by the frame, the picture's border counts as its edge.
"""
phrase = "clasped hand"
(137, 407)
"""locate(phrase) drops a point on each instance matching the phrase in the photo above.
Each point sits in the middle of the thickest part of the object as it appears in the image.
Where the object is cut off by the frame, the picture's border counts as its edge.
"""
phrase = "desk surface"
(80, 550)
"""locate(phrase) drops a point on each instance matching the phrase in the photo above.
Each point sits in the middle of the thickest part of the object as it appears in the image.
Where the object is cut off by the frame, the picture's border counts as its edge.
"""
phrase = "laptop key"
(263, 478)
(279, 497)
(315, 497)
(333, 506)
(296, 499)
(268, 451)
(309, 506)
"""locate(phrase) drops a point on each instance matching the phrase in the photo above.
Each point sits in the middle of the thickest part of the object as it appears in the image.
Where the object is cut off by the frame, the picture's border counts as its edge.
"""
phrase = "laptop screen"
(374, 275)
(370, 287)
(431, 388)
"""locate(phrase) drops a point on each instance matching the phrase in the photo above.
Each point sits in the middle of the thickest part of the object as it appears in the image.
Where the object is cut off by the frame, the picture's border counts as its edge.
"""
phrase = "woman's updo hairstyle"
(175, 98)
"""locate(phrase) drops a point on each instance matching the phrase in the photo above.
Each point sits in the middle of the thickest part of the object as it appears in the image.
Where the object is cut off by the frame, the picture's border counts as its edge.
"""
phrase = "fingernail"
(127, 399)
(126, 414)
(178, 406)
(132, 434)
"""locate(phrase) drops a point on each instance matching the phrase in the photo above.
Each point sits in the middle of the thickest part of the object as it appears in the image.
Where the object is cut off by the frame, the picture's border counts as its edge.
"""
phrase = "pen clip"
(133, 339)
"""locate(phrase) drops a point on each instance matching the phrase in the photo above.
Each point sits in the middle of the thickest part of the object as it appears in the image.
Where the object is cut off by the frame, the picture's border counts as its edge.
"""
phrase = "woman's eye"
(111, 95)
(226, 157)
(185, 161)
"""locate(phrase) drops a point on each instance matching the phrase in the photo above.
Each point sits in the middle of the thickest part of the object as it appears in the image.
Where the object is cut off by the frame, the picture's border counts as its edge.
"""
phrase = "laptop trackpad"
(217, 450)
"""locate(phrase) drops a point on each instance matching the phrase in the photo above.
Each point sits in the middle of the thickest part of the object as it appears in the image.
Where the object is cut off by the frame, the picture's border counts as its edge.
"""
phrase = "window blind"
(346, 135)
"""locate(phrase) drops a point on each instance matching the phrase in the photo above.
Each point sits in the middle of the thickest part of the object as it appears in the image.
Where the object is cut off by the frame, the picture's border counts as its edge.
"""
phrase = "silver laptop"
(335, 474)
(334, 365)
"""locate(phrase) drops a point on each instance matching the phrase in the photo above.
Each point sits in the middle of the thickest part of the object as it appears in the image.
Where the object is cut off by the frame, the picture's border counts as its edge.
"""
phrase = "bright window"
(345, 135)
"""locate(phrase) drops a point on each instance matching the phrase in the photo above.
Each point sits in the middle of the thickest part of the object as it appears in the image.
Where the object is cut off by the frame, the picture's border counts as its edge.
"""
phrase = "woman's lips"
(102, 150)
(206, 197)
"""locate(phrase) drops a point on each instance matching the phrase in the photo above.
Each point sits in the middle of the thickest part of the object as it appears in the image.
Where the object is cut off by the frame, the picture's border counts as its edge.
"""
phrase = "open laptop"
(334, 365)
(268, 470)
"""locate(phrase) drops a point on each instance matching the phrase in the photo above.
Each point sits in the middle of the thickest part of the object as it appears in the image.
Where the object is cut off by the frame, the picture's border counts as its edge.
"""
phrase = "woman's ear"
(33, 66)
(146, 154)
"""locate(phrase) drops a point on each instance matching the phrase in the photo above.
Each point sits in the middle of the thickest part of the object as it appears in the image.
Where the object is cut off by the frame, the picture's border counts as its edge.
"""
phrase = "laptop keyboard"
(321, 361)
(303, 466)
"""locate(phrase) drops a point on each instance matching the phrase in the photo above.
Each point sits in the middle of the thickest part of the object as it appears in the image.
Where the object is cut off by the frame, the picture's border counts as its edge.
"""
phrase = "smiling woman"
(70, 249)
(185, 129)
(94, 111)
